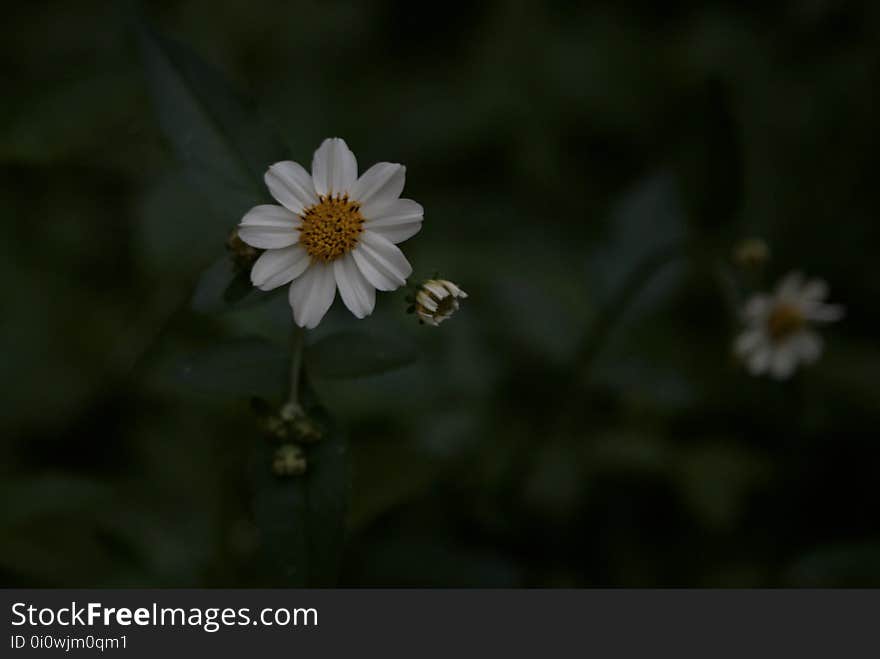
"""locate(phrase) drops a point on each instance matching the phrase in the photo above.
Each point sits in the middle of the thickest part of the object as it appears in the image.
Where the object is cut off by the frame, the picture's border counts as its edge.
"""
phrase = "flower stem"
(297, 339)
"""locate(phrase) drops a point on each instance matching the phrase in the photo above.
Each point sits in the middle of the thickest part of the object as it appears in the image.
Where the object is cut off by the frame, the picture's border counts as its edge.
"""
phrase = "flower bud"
(436, 300)
(289, 460)
(306, 431)
(299, 425)
(751, 253)
(277, 427)
(290, 411)
(243, 255)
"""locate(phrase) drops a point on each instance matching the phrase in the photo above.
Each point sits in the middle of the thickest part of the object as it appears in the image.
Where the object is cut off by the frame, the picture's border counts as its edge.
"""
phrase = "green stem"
(297, 339)
(594, 339)
(590, 346)
(596, 336)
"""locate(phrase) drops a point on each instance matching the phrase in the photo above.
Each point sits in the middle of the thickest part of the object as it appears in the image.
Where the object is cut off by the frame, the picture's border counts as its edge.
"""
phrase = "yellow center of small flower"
(783, 321)
(330, 228)
(446, 306)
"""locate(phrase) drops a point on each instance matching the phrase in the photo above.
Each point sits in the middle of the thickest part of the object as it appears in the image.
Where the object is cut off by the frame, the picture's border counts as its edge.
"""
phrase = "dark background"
(555, 146)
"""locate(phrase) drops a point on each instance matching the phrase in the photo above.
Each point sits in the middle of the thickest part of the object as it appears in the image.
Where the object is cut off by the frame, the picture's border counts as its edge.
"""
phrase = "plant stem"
(597, 334)
(595, 337)
(593, 340)
(297, 338)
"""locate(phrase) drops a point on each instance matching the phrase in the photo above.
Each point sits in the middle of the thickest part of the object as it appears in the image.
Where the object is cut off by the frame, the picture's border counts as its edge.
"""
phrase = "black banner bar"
(419, 623)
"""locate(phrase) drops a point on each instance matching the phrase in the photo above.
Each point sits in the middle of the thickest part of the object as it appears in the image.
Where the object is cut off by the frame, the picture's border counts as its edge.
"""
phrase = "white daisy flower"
(778, 333)
(437, 300)
(332, 230)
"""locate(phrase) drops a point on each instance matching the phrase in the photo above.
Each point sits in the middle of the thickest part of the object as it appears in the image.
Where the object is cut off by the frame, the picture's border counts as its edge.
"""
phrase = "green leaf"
(352, 354)
(301, 519)
(716, 480)
(239, 288)
(171, 226)
(50, 503)
(272, 320)
(221, 287)
(238, 367)
(841, 566)
(38, 127)
(390, 473)
(48, 494)
(224, 146)
(648, 220)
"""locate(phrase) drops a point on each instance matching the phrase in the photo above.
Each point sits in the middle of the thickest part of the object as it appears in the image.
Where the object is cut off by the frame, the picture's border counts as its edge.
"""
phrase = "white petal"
(372, 270)
(269, 227)
(382, 263)
(757, 308)
(808, 345)
(400, 233)
(312, 294)
(426, 301)
(784, 361)
(454, 289)
(429, 319)
(356, 292)
(790, 287)
(759, 361)
(291, 185)
(377, 187)
(399, 211)
(824, 313)
(814, 290)
(277, 267)
(439, 291)
(334, 167)
(748, 341)
(397, 221)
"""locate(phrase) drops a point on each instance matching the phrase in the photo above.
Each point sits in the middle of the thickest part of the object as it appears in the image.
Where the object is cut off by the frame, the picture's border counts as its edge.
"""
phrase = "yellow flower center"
(330, 228)
(447, 305)
(783, 321)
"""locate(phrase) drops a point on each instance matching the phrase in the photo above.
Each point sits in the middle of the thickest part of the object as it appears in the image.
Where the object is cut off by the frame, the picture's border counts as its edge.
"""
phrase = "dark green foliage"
(301, 519)
(357, 353)
(557, 148)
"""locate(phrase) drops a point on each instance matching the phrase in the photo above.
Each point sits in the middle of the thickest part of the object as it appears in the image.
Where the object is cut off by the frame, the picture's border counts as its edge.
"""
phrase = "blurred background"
(568, 427)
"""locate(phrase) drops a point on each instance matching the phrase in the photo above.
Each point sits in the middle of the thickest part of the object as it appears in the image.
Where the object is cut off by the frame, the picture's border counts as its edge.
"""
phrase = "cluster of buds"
(436, 300)
(289, 460)
(293, 428)
(751, 253)
(243, 255)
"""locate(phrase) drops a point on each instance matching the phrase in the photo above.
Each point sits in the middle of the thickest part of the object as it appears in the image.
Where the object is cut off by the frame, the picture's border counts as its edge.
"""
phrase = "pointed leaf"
(238, 367)
(221, 287)
(354, 354)
(224, 146)
(301, 519)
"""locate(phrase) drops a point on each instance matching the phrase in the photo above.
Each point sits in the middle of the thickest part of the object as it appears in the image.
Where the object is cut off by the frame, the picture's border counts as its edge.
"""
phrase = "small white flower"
(437, 300)
(332, 230)
(778, 333)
